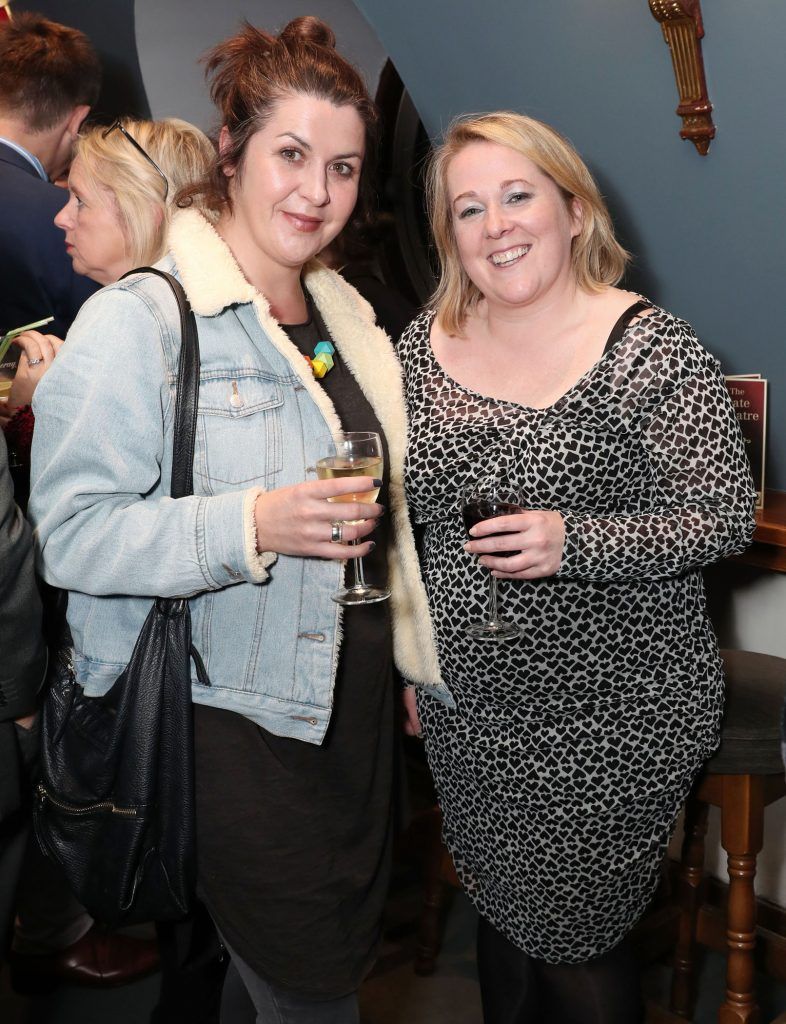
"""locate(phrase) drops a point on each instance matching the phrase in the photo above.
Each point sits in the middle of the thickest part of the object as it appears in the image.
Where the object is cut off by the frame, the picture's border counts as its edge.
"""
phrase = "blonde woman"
(571, 747)
(121, 186)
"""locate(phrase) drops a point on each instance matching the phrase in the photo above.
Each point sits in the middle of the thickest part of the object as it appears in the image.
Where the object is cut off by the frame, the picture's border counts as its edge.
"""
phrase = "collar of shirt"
(39, 167)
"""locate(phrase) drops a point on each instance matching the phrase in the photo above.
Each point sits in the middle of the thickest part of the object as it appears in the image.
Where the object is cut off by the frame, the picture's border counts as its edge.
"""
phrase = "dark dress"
(294, 839)
(564, 764)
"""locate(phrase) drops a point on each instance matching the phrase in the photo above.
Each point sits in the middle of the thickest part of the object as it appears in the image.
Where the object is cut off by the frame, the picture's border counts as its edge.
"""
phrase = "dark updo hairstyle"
(252, 71)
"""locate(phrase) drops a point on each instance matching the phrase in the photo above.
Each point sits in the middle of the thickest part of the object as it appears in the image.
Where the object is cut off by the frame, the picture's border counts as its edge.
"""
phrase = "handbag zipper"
(104, 805)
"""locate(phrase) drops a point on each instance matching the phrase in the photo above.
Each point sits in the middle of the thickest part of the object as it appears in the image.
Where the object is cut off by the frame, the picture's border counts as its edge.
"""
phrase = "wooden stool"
(743, 777)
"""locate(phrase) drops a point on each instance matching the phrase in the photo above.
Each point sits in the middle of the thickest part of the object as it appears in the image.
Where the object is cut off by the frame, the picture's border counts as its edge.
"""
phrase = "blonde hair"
(597, 257)
(110, 161)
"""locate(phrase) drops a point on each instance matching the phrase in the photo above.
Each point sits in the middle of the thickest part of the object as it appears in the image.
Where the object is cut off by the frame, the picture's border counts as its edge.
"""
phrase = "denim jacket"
(108, 532)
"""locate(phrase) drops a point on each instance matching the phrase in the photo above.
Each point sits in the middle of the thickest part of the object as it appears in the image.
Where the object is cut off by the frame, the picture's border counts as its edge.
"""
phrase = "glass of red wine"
(490, 499)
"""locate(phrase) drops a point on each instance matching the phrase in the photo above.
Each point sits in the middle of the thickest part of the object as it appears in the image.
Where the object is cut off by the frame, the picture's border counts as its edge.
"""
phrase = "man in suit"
(50, 76)
(22, 667)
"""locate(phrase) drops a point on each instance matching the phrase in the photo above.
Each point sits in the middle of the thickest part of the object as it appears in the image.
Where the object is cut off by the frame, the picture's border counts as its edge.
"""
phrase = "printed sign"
(749, 398)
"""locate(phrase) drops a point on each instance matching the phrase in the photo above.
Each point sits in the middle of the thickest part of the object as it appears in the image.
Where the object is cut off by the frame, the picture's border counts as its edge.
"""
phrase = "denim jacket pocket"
(239, 433)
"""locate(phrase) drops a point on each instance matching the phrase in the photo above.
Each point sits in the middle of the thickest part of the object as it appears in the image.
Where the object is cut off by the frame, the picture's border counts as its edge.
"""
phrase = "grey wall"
(172, 35)
(709, 233)
(110, 27)
(151, 48)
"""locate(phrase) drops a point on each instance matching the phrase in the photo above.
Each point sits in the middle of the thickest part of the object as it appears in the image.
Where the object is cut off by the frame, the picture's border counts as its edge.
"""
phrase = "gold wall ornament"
(683, 30)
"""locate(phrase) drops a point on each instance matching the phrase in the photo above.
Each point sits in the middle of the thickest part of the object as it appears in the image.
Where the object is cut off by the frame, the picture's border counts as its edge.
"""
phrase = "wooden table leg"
(742, 826)
(691, 898)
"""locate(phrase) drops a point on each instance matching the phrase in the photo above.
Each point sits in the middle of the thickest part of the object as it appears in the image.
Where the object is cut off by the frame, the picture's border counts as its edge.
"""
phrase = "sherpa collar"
(209, 272)
(213, 281)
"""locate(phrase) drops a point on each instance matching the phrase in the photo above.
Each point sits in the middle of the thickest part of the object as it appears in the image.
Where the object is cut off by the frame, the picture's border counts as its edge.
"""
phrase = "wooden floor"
(394, 994)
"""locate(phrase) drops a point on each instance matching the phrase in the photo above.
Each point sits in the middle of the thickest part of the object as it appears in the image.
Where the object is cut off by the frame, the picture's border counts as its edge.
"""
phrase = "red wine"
(477, 511)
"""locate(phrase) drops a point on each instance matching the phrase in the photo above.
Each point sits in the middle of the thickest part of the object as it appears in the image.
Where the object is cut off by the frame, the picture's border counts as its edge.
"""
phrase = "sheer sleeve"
(704, 497)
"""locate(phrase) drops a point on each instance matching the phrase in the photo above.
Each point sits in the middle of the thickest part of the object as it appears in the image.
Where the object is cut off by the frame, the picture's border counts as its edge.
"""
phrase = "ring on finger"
(35, 362)
(336, 533)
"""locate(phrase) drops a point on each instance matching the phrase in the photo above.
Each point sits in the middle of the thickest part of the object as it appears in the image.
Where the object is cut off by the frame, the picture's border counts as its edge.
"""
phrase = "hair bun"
(308, 29)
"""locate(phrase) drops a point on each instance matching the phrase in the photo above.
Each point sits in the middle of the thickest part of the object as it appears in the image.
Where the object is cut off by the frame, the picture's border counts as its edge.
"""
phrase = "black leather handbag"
(115, 800)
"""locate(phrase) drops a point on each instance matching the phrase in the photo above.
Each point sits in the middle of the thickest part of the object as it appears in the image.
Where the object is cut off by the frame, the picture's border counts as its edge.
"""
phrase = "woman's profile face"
(512, 225)
(297, 184)
(94, 236)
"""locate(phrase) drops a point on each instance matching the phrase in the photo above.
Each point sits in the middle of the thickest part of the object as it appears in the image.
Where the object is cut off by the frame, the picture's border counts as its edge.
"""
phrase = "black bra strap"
(621, 325)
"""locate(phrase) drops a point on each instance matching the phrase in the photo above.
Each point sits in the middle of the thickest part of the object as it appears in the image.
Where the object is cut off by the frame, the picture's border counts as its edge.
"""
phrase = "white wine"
(345, 466)
(352, 453)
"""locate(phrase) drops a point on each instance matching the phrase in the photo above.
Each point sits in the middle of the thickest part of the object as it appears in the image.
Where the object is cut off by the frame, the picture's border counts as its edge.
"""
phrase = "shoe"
(98, 960)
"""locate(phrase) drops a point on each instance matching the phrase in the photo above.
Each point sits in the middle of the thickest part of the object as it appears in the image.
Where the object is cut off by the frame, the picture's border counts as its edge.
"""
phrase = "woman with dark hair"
(294, 731)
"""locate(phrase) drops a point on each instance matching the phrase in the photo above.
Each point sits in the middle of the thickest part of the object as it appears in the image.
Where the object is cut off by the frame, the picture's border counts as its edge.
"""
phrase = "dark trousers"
(517, 989)
(18, 754)
(13, 831)
(193, 965)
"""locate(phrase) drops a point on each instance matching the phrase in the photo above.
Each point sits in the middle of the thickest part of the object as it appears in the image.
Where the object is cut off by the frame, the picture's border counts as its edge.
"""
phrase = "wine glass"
(488, 499)
(353, 453)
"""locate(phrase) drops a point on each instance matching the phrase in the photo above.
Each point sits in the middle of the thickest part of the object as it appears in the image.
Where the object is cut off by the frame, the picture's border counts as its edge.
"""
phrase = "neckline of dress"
(608, 350)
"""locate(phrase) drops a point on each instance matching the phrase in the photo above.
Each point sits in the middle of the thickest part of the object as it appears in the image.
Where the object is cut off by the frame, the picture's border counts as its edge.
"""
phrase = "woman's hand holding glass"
(345, 455)
(538, 535)
(299, 520)
(38, 353)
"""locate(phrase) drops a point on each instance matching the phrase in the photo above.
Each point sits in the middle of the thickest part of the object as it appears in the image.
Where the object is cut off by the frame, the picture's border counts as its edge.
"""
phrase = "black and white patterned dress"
(571, 749)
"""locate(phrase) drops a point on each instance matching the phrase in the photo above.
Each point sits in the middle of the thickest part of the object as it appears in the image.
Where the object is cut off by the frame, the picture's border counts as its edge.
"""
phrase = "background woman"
(293, 736)
(122, 185)
(116, 218)
(571, 748)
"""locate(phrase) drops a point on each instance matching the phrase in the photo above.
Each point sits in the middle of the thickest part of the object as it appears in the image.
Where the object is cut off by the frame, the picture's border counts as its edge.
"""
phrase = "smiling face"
(94, 236)
(297, 185)
(513, 226)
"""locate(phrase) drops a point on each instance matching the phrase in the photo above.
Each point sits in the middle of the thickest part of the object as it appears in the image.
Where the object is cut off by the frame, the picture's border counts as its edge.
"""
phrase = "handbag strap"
(187, 397)
(186, 402)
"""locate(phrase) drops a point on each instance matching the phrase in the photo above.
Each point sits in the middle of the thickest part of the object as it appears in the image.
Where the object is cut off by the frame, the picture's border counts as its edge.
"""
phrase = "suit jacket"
(36, 276)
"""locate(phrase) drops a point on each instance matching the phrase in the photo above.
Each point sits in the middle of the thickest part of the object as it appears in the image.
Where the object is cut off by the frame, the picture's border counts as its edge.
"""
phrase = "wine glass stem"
(493, 619)
(357, 567)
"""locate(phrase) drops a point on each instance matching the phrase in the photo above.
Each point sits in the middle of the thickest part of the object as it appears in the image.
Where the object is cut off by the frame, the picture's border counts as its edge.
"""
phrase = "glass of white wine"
(354, 453)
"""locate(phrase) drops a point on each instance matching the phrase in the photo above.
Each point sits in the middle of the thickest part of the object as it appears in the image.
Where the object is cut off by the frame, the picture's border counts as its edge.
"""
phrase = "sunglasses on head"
(126, 134)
